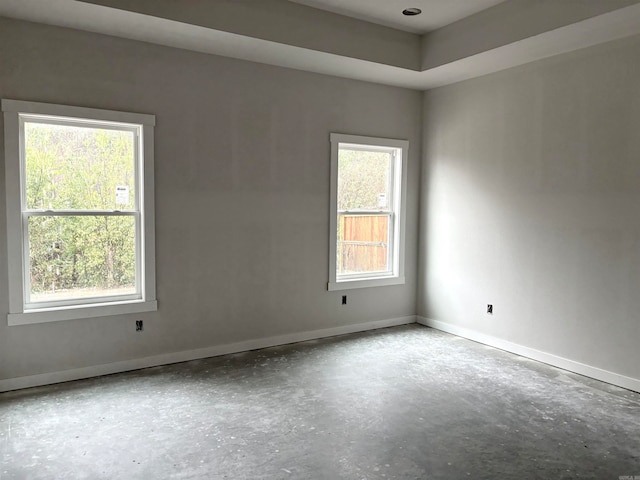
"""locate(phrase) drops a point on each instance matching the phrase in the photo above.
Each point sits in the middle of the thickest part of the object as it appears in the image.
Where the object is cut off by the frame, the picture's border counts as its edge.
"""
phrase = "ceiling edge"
(105, 20)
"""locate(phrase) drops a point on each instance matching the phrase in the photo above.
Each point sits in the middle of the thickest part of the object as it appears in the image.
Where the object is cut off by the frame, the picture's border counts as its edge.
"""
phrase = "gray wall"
(504, 24)
(530, 201)
(242, 193)
(290, 23)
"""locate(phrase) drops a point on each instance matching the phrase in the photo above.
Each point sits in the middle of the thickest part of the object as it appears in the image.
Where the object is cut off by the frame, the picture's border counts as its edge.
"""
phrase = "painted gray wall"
(290, 23)
(242, 193)
(530, 195)
(507, 23)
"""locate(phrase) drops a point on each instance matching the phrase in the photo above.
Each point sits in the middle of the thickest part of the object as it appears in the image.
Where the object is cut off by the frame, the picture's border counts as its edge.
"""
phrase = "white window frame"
(395, 276)
(142, 125)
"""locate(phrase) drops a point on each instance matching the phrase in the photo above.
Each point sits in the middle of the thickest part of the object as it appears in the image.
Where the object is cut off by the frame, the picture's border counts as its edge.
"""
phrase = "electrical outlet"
(139, 325)
(344, 299)
(490, 309)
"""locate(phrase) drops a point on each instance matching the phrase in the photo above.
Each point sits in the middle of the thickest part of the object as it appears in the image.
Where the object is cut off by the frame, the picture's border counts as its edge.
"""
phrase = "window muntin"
(79, 212)
(367, 211)
(80, 216)
(64, 269)
(74, 165)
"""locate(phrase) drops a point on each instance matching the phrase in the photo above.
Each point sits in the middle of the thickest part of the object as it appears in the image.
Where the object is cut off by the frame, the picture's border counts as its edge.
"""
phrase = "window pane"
(364, 180)
(81, 256)
(363, 242)
(73, 167)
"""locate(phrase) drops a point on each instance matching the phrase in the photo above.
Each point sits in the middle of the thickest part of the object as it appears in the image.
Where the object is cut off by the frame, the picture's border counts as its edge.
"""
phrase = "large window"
(79, 212)
(367, 211)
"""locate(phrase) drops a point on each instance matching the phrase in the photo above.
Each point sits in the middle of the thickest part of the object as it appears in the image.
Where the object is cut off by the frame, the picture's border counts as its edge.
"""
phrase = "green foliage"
(362, 176)
(75, 168)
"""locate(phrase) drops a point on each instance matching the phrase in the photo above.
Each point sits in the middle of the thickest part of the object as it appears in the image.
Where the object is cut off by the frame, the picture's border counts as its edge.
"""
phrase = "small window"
(79, 212)
(367, 211)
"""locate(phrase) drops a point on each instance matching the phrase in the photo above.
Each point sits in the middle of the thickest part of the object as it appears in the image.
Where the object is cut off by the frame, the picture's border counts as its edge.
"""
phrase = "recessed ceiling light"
(410, 12)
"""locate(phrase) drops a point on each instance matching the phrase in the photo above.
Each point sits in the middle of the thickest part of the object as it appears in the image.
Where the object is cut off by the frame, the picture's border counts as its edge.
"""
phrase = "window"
(80, 218)
(367, 211)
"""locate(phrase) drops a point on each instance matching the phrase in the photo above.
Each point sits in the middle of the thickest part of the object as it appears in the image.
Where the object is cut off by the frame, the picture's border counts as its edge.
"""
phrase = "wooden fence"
(362, 243)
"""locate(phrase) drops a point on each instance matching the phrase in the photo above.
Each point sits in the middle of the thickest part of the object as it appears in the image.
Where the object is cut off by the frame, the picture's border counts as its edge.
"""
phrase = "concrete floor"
(401, 403)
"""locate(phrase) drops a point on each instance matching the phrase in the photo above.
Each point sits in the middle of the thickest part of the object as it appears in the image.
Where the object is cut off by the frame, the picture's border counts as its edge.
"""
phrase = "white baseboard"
(544, 357)
(176, 357)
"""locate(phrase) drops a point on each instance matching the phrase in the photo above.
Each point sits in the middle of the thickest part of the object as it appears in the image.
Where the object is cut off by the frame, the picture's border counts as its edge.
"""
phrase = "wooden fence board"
(362, 243)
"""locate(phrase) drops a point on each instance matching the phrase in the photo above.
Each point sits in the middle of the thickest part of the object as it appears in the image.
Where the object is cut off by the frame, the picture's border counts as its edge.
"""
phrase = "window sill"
(362, 283)
(75, 312)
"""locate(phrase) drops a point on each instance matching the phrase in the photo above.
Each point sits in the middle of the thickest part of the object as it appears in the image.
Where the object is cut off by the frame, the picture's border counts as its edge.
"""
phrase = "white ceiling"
(435, 13)
(573, 30)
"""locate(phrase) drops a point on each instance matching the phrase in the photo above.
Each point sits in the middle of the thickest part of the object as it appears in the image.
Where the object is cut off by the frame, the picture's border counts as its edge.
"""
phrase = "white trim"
(333, 210)
(566, 364)
(21, 311)
(364, 141)
(13, 192)
(185, 356)
(78, 311)
(147, 210)
(397, 212)
(73, 112)
(373, 282)
(80, 213)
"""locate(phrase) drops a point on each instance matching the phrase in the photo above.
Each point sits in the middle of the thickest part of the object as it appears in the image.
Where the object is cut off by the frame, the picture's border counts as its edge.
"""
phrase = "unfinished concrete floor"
(400, 403)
